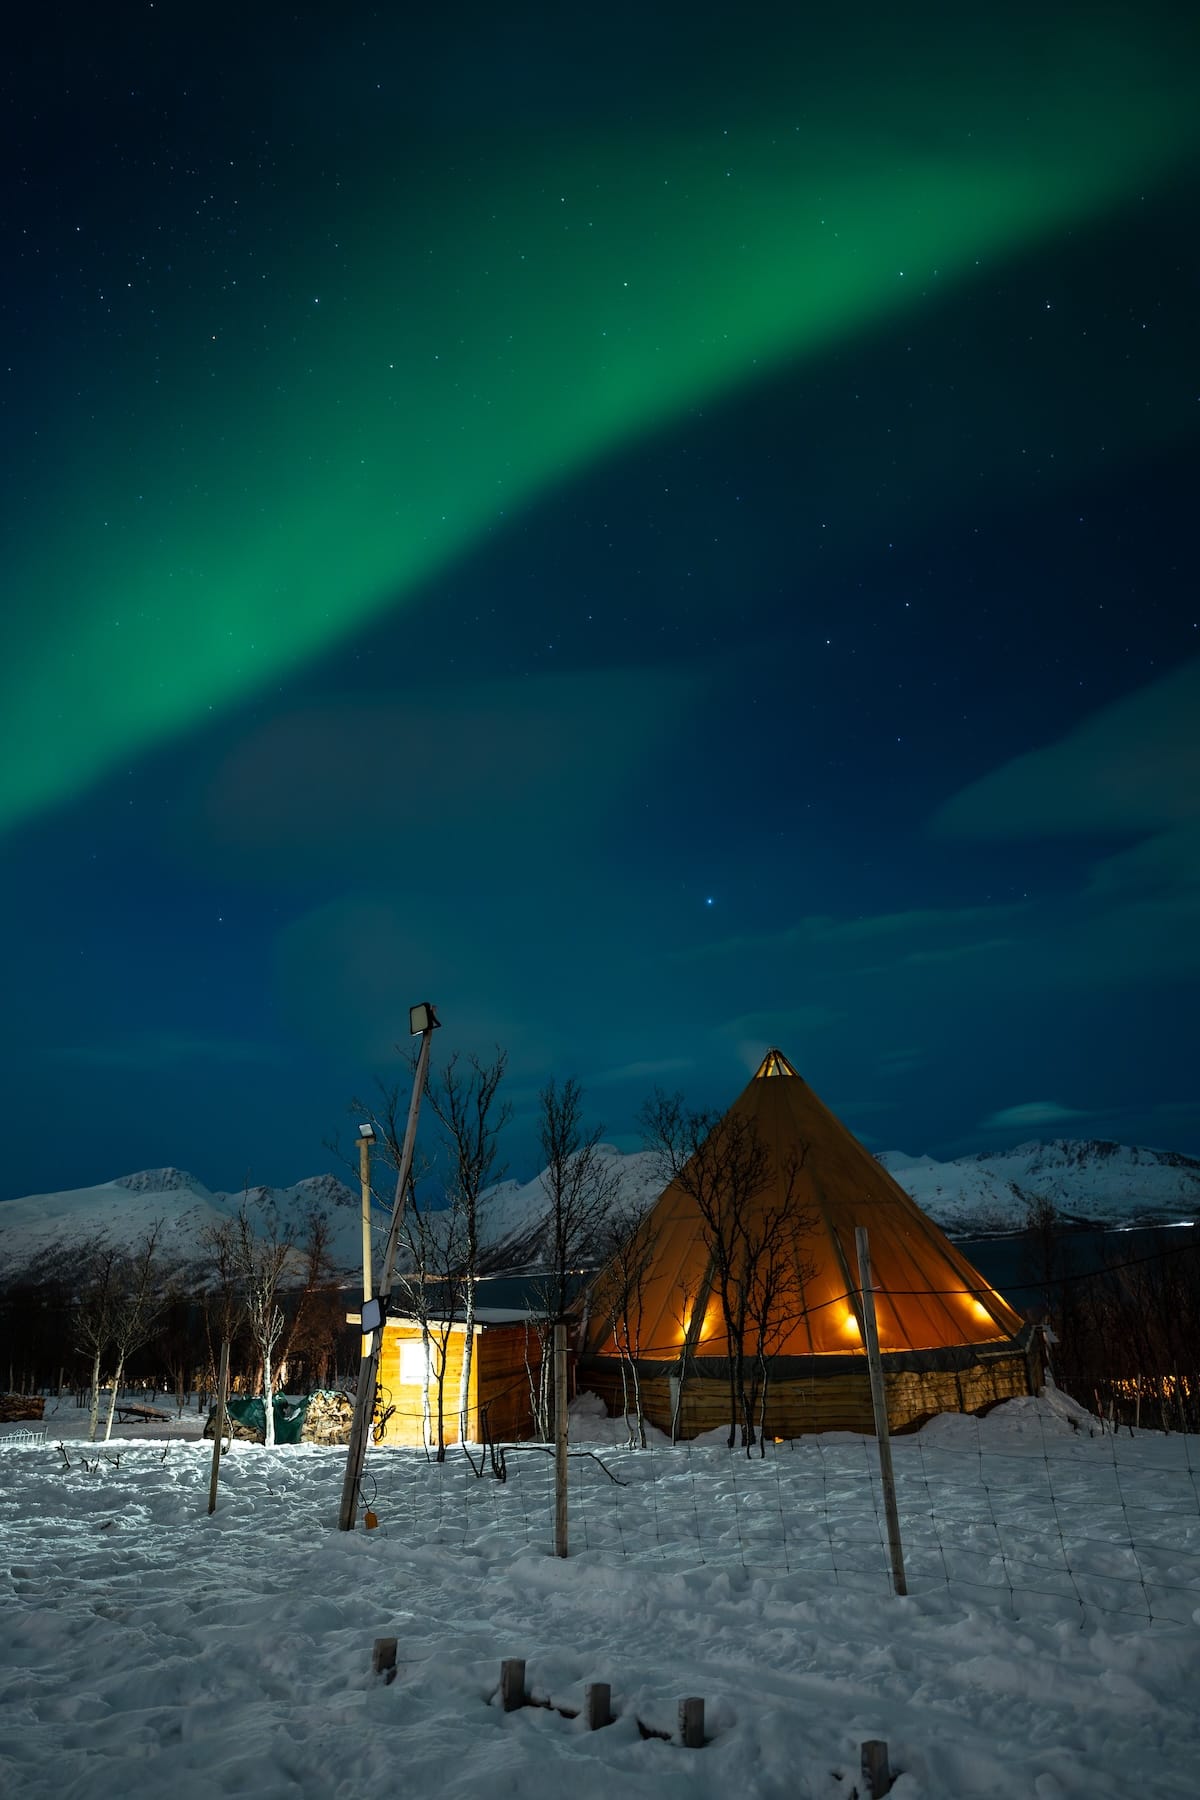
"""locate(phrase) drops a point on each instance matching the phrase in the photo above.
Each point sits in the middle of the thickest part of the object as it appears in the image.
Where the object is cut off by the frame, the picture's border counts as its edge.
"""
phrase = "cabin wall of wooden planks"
(405, 1425)
(510, 1353)
(499, 1384)
(840, 1402)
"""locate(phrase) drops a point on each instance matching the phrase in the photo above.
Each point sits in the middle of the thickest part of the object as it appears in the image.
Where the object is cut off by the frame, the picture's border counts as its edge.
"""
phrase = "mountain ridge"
(1090, 1182)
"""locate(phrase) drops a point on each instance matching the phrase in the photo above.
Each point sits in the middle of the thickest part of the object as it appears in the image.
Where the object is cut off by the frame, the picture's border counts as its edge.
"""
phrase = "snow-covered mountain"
(121, 1212)
(514, 1215)
(1091, 1181)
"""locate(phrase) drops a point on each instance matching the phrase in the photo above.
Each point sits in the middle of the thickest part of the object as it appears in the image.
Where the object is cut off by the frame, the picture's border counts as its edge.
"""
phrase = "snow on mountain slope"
(958, 1198)
(1100, 1179)
(514, 1215)
(1092, 1180)
(121, 1212)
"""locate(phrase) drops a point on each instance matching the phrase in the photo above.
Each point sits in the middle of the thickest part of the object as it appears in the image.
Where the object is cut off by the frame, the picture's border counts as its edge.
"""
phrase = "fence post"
(691, 1723)
(876, 1773)
(597, 1704)
(560, 1439)
(512, 1683)
(879, 1407)
(219, 1426)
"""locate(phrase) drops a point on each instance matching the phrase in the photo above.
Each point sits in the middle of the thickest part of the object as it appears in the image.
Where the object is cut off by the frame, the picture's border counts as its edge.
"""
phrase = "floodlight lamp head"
(367, 1132)
(422, 1018)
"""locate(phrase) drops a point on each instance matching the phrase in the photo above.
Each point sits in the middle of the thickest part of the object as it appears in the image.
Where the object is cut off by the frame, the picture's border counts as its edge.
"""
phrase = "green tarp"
(289, 1417)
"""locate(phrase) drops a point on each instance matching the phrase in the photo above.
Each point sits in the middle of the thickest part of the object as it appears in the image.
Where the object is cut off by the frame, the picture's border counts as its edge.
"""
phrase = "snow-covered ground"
(1049, 1646)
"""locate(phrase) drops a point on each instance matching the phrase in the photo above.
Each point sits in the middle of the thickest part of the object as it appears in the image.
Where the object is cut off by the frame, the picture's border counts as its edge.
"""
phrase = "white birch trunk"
(426, 1411)
(268, 1401)
(112, 1405)
(94, 1411)
(468, 1356)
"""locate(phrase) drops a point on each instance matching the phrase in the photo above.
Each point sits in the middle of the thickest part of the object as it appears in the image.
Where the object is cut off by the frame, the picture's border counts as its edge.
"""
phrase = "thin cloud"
(1032, 1112)
(639, 1071)
(1131, 767)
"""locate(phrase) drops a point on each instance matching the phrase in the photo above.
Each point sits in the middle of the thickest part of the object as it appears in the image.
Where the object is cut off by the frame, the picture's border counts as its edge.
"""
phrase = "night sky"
(662, 529)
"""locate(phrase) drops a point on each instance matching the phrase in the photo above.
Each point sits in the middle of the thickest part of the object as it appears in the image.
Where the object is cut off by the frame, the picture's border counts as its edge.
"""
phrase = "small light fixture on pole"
(423, 1021)
(366, 1137)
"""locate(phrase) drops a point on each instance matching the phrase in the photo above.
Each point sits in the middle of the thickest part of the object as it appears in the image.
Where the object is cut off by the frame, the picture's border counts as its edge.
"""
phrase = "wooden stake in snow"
(560, 1439)
(512, 1684)
(597, 1705)
(876, 1774)
(219, 1425)
(383, 1657)
(879, 1408)
(691, 1723)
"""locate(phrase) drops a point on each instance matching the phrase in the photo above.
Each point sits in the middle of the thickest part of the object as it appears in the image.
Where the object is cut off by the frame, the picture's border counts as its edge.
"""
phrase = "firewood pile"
(328, 1418)
(23, 1406)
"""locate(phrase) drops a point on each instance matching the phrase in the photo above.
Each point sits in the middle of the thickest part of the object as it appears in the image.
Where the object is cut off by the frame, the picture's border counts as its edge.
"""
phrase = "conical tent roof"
(927, 1295)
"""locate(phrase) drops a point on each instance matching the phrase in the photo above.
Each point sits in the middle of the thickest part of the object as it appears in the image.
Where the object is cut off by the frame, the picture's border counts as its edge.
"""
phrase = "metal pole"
(879, 1408)
(219, 1427)
(364, 1177)
(560, 1439)
(364, 1400)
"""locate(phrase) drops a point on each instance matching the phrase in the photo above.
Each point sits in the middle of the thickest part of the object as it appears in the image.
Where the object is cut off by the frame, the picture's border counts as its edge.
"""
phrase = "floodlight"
(368, 1132)
(422, 1018)
(374, 1312)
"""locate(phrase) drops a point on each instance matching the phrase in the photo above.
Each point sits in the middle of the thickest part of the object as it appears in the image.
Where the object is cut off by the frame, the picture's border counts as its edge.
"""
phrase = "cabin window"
(414, 1362)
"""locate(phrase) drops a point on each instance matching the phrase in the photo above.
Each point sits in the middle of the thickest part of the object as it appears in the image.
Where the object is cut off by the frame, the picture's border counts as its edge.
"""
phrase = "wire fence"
(1098, 1523)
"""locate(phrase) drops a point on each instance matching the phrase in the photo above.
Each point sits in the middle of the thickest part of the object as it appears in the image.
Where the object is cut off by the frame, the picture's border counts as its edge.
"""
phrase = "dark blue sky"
(851, 705)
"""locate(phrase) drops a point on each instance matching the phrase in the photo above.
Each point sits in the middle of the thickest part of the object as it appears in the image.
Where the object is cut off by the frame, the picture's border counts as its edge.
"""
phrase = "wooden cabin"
(498, 1405)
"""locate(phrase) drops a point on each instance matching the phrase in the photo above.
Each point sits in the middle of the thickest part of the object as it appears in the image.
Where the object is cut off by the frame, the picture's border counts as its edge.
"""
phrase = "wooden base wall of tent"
(837, 1402)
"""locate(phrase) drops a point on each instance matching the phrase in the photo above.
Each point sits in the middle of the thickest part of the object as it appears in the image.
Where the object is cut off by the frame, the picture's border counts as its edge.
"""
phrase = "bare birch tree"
(253, 1268)
(581, 1188)
(753, 1243)
(628, 1245)
(94, 1316)
(137, 1307)
(464, 1103)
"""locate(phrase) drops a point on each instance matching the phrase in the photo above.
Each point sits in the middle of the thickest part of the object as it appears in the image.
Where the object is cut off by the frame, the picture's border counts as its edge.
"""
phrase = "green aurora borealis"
(227, 470)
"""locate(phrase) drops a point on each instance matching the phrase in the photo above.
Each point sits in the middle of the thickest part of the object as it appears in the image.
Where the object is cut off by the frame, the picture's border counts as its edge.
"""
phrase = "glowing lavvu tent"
(949, 1341)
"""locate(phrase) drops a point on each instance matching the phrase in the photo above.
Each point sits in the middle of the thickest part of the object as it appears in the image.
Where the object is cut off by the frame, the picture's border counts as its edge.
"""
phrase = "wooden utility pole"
(219, 1427)
(879, 1408)
(560, 1439)
(364, 1178)
(424, 1020)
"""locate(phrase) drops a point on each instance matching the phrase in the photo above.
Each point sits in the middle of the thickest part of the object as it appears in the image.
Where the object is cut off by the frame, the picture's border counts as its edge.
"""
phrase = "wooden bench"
(125, 1413)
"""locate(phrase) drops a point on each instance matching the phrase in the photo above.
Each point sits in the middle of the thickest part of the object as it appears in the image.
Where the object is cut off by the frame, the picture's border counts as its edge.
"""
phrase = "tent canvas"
(934, 1309)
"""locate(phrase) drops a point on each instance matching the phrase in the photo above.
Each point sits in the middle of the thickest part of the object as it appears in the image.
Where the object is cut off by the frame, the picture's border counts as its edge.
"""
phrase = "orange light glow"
(850, 1326)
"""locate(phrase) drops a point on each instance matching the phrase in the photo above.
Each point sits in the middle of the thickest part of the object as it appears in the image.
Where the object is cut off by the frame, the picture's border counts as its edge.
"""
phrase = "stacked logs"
(21, 1406)
(327, 1420)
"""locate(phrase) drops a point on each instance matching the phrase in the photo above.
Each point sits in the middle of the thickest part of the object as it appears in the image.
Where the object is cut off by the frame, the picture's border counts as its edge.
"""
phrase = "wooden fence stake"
(219, 1427)
(597, 1704)
(383, 1657)
(879, 1407)
(512, 1684)
(691, 1723)
(876, 1774)
(560, 1439)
